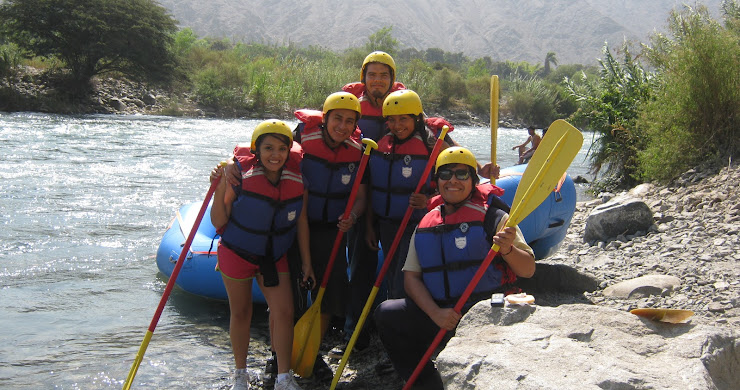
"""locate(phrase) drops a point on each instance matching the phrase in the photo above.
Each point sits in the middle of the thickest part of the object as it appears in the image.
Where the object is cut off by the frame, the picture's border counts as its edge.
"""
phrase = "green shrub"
(479, 94)
(10, 59)
(609, 105)
(696, 112)
(532, 100)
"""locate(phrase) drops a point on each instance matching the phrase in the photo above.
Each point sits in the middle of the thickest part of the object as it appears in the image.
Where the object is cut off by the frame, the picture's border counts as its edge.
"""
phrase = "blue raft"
(544, 229)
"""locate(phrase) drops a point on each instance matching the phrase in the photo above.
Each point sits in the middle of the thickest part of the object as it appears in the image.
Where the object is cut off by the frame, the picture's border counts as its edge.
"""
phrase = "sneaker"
(321, 371)
(271, 370)
(288, 383)
(241, 379)
(338, 351)
(384, 367)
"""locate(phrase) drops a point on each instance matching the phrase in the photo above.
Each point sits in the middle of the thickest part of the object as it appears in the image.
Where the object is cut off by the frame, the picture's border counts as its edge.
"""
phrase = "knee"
(282, 313)
(382, 315)
(242, 313)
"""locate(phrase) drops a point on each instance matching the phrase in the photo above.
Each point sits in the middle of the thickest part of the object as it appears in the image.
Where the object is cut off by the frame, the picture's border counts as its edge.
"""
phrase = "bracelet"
(511, 249)
(354, 216)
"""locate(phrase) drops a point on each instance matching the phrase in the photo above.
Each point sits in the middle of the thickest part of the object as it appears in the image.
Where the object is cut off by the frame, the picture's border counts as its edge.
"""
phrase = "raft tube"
(198, 274)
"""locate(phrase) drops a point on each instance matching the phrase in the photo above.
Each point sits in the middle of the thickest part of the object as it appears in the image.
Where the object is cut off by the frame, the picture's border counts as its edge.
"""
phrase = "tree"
(549, 58)
(93, 37)
(382, 40)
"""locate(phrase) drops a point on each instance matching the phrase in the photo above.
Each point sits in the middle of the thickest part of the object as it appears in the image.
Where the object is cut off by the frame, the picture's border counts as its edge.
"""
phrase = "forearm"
(358, 209)
(520, 261)
(219, 210)
(418, 292)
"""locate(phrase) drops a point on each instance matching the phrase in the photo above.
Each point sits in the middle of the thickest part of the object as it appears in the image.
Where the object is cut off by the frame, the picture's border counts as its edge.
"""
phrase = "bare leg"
(280, 301)
(240, 305)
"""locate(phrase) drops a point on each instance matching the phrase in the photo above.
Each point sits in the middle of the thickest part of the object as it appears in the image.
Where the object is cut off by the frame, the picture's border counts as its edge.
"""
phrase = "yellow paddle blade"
(673, 316)
(307, 338)
(556, 151)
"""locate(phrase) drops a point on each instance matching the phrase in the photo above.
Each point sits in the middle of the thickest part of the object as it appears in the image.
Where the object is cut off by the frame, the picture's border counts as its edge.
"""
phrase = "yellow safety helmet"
(456, 155)
(342, 100)
(402, 102)
(382, 58)
(270, 126)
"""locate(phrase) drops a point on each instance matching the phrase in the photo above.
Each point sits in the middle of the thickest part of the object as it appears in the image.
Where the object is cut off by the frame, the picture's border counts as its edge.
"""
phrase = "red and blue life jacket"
(371, 122)
(264, 216)
(395, 171)
(451, 248)
(329, 173)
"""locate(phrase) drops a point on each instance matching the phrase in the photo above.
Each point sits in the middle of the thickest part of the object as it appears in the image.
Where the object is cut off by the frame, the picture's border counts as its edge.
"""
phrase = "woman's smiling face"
(402, 126)
(273, 153)
(454, 190)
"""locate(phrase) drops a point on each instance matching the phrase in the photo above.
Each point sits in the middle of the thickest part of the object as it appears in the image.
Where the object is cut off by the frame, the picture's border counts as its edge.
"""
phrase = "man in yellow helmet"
(332, 151)
(447, 247)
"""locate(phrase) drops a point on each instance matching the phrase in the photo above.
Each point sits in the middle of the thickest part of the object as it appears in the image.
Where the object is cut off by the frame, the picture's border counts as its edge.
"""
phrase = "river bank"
(34, 90)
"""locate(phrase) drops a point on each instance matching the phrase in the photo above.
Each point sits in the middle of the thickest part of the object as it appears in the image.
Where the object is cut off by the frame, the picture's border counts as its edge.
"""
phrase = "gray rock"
(117, 104)
(643, 286)
(585, 347)
(626, 216)
(149, 99)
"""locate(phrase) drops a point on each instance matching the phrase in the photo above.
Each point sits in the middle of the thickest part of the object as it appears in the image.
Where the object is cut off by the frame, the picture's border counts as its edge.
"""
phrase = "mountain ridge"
(575, 30)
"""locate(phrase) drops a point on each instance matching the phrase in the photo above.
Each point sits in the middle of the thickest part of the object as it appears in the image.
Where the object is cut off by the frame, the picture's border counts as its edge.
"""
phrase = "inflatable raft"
(544, 229)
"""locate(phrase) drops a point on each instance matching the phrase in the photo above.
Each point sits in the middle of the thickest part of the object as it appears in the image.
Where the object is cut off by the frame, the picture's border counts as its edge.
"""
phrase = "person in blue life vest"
(446, 250)
(394, 171)
(258, 219)
(332, 152)
(377, 81)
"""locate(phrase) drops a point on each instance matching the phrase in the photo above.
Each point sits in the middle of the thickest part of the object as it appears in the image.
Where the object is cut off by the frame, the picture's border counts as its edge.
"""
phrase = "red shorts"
(235, 267)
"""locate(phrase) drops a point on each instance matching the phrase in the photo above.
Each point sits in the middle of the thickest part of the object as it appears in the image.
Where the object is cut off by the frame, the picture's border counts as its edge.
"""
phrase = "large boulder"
(621, 216)
(585, 347)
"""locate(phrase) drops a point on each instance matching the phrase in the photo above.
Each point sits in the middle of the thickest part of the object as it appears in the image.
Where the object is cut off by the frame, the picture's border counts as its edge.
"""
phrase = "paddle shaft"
(388, 258)
(170, 284)
(519, 210)
(494, 121)
(332, 257)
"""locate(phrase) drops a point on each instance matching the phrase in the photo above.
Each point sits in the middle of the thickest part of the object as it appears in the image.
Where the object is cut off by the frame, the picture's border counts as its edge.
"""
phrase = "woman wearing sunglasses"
(446, 250)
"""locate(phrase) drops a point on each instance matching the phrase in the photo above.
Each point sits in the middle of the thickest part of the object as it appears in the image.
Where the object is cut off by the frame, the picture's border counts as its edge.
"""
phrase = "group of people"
(282, 202)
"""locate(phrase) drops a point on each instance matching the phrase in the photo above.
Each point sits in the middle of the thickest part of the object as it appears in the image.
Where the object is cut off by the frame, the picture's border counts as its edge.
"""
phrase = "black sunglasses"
(460, 174)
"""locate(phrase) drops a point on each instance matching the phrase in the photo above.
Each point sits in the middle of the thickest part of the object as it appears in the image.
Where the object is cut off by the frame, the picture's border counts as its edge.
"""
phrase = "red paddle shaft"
(458, 307)
(347, 212)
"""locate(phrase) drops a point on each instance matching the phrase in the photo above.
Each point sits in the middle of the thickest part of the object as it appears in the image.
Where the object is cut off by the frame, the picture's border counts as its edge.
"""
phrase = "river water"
(84, 201)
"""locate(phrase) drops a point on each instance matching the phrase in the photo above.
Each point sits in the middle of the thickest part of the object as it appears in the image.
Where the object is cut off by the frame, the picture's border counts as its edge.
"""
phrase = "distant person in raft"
(447, 247)
(524, 153)
(258, 221)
